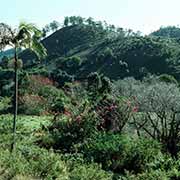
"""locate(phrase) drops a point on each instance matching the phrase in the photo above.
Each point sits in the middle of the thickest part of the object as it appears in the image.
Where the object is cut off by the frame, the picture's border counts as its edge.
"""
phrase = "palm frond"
(38, 48)
(29, 37)
(31, 28)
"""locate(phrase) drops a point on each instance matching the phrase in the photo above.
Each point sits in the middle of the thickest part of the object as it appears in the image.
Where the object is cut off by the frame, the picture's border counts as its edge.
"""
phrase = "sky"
(142, 15)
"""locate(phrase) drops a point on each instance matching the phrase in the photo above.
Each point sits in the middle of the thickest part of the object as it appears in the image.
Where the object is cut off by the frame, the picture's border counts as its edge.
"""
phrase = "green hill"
(81, 49)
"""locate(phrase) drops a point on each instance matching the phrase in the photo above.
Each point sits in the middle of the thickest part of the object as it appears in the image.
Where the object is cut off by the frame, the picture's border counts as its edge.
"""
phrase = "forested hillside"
(114, 52)
(87, 100)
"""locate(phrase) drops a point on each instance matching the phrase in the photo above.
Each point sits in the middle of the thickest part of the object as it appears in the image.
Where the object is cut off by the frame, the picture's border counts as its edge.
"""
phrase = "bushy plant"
(61, 77)
(114, 113)
(91, 171)
(4, 104)
(66, 134)
(158, 175)
(119, 153)
(98, 86)
(33, 162)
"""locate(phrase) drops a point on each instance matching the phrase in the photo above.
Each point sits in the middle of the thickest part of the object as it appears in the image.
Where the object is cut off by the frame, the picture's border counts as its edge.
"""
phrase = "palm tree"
(27, 35)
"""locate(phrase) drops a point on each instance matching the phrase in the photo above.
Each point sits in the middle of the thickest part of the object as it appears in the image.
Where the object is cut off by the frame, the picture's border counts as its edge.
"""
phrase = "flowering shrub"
(65, 135)
(114, 113)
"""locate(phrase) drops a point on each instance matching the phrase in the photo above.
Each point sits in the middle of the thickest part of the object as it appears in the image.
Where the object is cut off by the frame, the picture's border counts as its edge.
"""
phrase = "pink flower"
(67, 113)
(78, 119)
(135, 109)
(112, 107)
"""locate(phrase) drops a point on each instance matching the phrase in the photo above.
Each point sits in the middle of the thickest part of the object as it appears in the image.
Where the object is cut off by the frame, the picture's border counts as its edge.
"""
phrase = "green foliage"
(98, 85)
(6, 84)
(159, 175)
(66, 135)
(111, 51)
(61, 77)
(119, 153)
(128, 128)
(4, 104)
(87, 172)
(31, 162)
(46, 166)
(167, 32)
(4, 62)
(167, 78)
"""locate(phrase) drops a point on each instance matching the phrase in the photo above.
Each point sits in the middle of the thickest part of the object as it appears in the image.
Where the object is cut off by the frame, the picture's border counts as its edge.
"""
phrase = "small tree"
(54, 26)
(66, 21)
(25, 36)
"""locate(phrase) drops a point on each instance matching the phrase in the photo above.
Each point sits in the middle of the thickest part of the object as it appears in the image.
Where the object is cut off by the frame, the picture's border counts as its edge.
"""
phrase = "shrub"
(39, 96)
(66, 135)
(33, 162)
(114, 113)
(119, 153)
(153, 175)
(4, 104)
(55, 98)
(61, 77)
(91, 171)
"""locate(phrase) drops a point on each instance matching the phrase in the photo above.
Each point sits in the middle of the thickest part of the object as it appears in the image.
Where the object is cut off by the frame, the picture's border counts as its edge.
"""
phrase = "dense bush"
(5, 104)
(35, 163)
(114, 113)
(87, 172)
(61, 77)
(120, 153)
(65, 135)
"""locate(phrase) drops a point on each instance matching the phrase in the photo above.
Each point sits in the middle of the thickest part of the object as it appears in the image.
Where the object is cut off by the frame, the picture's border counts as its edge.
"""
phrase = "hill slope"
(110, 53)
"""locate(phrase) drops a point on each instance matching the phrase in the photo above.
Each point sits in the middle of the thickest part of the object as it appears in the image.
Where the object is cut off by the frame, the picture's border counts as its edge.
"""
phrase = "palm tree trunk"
(15, 98)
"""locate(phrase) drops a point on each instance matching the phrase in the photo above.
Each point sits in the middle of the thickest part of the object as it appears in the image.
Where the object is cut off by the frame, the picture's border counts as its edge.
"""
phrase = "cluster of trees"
(78, 20)
(167, 32)
(115, 52)
(51, 27)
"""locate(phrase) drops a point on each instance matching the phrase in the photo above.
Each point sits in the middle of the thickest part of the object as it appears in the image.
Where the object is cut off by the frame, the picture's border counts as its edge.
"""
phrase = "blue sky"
(143, 15)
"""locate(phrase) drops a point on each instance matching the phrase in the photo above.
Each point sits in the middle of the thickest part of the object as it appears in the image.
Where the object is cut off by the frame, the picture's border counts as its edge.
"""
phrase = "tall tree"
(27, 35)
(66, 21)
(54, 26)
(73, 20)
(46, 30)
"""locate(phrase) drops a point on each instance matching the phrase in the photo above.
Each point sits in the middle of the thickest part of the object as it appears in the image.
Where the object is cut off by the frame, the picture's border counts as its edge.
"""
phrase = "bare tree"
(159, 110)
